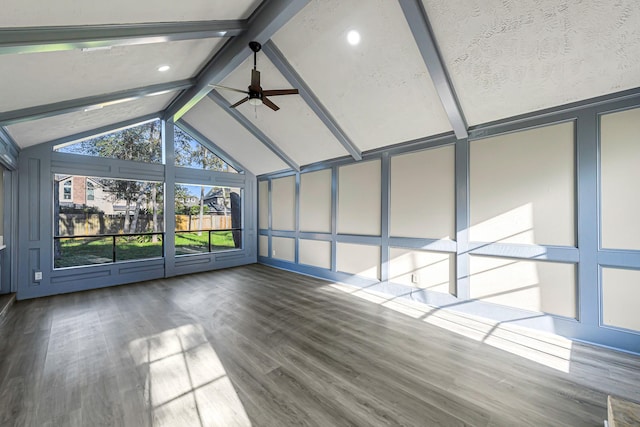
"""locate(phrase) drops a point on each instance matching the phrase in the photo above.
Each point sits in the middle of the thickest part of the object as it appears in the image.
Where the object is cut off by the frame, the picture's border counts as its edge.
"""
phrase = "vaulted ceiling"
(422, 68)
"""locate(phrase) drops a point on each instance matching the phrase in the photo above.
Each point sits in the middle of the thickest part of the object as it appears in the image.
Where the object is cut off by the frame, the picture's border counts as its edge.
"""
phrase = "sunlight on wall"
(534, 168)
(514, 226)
(434, 271)
(362, 260)
(505, 281)
(543, 348)
(186, 382)
(540, 286)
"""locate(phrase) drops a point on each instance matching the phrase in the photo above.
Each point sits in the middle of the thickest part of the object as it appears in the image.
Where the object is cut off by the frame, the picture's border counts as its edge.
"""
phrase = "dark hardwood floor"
(262, 347)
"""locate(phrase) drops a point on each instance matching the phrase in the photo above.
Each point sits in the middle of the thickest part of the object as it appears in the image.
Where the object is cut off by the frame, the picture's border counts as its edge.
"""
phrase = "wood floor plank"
(263, 347)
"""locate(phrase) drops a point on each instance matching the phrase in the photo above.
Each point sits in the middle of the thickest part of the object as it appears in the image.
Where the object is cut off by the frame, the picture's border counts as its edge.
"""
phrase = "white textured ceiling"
(27, 13)
(378, 91)
(512, 57)
(50, 128)
(504, 57)
(28, 80)
(295, 128)
(221, 129)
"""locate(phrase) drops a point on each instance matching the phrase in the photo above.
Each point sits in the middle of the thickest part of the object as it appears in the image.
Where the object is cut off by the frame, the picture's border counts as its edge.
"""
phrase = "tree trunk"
(155, 213)
(136, 214)
(200, 218)
(127, 221)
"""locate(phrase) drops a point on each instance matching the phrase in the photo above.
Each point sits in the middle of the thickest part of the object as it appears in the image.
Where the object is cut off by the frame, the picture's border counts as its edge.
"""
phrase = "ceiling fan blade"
(266, 101)
(276, 92)
(230, 88)
(255, 78)
(242, 101)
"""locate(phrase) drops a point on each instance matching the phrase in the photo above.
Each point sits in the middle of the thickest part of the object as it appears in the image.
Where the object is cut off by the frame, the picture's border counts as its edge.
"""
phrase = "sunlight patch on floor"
(186, 383)
(546, 349)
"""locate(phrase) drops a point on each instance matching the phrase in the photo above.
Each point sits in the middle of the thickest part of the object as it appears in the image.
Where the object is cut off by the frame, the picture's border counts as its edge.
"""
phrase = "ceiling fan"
(255, 94)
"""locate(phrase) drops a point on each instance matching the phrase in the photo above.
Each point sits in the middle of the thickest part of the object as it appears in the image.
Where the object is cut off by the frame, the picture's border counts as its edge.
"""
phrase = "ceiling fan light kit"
(255, 94)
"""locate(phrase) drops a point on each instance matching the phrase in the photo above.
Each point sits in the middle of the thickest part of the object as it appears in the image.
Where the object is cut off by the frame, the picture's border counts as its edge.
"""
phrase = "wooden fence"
(98, 223)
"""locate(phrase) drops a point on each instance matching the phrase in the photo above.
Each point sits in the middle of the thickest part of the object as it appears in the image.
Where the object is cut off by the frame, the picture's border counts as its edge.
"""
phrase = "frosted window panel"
(263, 246)
(315, 201)
(548, 287)
(433, 271)
(283, 203)
(620, 158)
(314, 252)
(522, 187)
(263, 204)
(283, 248)
(361, 260)
(359, 198)
(423, 194)
(620, 296)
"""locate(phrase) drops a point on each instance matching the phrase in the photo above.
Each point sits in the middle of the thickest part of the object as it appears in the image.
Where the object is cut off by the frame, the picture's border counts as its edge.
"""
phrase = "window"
(141, 143)
(208, 219)
(67, 190)
(90, 191)
(121, 220)
(191, 154)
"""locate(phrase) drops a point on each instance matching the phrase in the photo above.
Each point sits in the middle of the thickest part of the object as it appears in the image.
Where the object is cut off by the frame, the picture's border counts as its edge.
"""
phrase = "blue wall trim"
(586, 256)
(35, 232)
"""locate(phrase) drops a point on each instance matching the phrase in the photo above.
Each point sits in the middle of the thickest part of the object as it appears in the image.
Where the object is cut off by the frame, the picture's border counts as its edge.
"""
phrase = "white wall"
(522, 187)
(315, 201)
(315, 252)
(423, 194)
(620, 175)
(361, 260)
(620, 298)
(263, 204)
(283, 203)
(548, 287)
(359, 187)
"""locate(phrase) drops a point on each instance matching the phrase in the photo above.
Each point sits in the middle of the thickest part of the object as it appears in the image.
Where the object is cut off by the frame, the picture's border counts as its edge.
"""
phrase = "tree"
(190, 153)
(140, 143)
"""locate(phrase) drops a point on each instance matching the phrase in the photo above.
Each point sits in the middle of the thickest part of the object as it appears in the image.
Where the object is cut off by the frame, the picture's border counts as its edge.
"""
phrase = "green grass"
(99, 250)
(193, 243)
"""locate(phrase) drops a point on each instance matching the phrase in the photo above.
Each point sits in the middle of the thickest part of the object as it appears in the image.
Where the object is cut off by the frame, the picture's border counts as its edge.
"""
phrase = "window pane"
(191, 154)
(74, 251)
(141, 143)
(138, 247)
(95, 206)
(207, 218)
(192, 242)
(87, 206)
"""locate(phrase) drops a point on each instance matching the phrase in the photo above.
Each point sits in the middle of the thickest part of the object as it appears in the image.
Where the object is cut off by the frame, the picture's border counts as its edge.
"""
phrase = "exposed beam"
(50, 39)
(277, 58)
(418, 22)
(195, 134)
(90, 102)
(219, 99)
(103, 129)
(269, 18)
(8, 150)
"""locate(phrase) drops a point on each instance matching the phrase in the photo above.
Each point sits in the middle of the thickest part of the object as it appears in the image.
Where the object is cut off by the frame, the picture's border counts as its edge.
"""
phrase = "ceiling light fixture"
(163, 68)
(353, 37)
(95, 48)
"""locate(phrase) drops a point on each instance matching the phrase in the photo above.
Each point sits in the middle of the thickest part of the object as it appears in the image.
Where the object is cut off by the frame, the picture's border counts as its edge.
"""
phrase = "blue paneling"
(37, 167)
(586, 255)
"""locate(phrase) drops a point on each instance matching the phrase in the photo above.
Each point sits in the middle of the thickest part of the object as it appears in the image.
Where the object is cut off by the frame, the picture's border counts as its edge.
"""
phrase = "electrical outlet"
(37, 276)
(273, 252)
(414, 277)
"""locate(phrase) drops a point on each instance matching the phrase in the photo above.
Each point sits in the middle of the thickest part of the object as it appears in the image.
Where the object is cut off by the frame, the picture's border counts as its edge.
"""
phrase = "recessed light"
(353, 37)
(163, 68)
